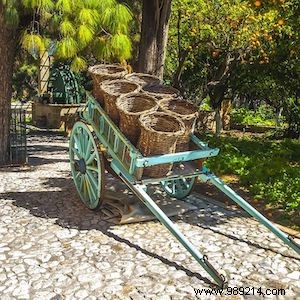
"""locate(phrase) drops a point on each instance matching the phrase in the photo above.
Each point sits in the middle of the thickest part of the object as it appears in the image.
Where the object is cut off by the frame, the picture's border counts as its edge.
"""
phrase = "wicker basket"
(159, 134)
(161, 91)
(130, 107)
(186, 112)
(112, 89)
(103, 72)
(143, 79)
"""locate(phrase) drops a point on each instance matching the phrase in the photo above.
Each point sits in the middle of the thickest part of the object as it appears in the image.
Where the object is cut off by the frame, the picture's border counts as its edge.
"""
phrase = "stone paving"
(52, 247)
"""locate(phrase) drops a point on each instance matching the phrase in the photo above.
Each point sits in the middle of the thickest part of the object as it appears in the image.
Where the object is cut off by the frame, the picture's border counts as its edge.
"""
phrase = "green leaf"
(78, 64)
(64, 6)
(121, 46)
(89, 16)
(67, 28)
(85, 35)
(67, 48)
(33, 42)
(102, 49)
(41, 4)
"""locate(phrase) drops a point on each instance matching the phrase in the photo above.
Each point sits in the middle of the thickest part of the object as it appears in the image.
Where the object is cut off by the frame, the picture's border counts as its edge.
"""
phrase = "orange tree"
(209, 40)
(277, 82)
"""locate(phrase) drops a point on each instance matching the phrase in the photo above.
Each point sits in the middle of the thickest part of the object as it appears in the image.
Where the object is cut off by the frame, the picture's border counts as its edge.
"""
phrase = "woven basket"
(159, 134)
(185, 111)
(112, 89)
(130, 107)
(103, 72)
(143, 79)
(161, 91)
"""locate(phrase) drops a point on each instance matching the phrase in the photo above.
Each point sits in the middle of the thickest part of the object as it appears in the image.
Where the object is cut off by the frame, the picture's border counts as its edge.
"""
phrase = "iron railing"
(18, 141)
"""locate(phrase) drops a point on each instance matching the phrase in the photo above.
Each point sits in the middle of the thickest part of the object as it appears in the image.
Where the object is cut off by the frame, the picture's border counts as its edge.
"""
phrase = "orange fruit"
(257, 3)
(280, 22)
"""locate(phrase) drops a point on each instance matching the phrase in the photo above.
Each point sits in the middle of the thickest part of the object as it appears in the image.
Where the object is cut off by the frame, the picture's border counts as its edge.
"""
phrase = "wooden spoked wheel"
(178, 188)
(87, 167)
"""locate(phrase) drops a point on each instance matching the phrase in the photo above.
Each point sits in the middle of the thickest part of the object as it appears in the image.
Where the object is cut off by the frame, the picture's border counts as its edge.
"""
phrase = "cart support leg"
(210, 177)
(140, 191)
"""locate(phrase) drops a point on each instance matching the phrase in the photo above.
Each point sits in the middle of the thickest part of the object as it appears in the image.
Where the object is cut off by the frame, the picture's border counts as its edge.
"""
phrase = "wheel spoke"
(88, 180)
(179, 186)
(173, 188)
(92, 178)
(77, 142)
(76, 152)
(77, 176)
(88, 149)
(92, 168)
(81, 185)
(85, 188)
(84, 142)
(91, 158)
(88, 187)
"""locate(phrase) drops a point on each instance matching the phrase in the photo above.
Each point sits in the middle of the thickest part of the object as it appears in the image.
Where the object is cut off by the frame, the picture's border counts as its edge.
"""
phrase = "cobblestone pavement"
(52, 247)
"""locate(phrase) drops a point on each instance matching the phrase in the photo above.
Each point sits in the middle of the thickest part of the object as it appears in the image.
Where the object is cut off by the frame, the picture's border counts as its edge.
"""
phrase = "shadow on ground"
(59, 200)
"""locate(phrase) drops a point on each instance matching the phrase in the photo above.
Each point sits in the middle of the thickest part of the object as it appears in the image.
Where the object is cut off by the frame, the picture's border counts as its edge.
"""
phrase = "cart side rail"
(110, 136)
(121, 150)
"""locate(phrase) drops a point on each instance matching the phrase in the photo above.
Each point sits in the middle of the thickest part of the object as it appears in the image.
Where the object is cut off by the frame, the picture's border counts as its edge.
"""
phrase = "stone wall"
(55, 116)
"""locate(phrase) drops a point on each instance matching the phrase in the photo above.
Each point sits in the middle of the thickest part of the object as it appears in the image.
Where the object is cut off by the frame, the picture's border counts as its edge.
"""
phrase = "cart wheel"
(179, 188)
(87, 166)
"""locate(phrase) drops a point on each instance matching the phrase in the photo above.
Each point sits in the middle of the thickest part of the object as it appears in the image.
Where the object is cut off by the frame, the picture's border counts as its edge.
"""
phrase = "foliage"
(24, 79)
(292, 109)
(271, 170)
(264, 115)
(211, 33)
(277, 83)
(79, 28)
(236, 49)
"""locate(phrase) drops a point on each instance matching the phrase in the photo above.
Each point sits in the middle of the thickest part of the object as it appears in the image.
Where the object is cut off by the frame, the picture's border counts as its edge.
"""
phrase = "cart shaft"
(140, 191)
(217, 182)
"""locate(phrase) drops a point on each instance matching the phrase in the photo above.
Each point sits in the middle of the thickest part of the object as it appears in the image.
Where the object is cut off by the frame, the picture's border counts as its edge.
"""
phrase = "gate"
(18, 142)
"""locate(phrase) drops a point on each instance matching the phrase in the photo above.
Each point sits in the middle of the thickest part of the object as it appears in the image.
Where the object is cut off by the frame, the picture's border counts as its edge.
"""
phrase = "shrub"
(264, 116)
(270, 170)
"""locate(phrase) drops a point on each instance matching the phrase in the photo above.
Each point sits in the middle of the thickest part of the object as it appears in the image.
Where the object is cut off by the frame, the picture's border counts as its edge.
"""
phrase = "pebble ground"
(52, 247)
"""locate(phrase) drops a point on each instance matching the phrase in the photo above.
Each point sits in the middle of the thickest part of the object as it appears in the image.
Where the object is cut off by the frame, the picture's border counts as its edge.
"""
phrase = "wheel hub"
(81, 166)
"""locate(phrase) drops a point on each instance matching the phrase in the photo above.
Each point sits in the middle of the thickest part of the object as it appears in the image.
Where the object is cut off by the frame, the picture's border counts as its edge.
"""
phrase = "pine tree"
(79, 29)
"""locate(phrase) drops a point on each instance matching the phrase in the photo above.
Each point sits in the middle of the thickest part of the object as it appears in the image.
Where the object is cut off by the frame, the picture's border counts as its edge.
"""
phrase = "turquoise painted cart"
(97, 143)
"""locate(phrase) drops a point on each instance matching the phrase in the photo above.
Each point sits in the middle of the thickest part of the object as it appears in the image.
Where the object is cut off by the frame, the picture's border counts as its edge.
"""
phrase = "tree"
(80, 29)
(277, 83)
(215, 37)
(154, 36)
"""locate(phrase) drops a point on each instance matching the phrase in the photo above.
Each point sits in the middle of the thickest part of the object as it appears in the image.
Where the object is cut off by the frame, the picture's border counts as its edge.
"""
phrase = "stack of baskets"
(159, 134)
(161, 91)
(152, 116)
(143, 79)
(131, 107)
(112, 89)
(103, 72)
(185, 111)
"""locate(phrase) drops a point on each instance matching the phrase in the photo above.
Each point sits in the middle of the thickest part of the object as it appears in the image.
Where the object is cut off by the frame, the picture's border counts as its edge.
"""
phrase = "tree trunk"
(278, 115)
(7, 52)
(154, 36)
(218, 120)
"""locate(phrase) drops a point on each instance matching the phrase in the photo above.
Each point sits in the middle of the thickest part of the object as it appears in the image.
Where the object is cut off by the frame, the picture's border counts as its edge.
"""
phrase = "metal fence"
(18, 141)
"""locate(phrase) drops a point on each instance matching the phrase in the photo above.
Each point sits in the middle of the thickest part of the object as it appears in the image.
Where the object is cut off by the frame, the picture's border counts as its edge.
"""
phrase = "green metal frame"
(63, 85)
(127, 161)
